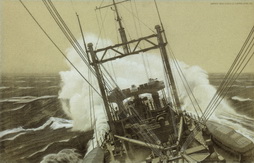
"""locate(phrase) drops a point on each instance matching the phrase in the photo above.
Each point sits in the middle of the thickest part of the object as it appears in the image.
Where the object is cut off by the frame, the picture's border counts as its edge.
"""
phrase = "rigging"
(233, 73)
(226, 84)
(57, 46)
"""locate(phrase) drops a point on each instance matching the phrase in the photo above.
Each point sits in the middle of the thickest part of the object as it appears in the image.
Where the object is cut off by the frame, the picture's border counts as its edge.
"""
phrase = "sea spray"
(75, 94)
(65, 155)
(81, 104)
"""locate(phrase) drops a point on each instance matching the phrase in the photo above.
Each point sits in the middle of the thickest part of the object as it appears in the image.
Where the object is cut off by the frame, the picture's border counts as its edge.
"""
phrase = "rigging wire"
(67, 33)
(158, 12)
(144, 58)
(227, 77)
(64, 25)
(103, 33)
(232, 72)
(174, 60)
(207, 117)
(43, 30)
(185, 82)
(100, 27)
(232, 82)
(140, 20)
(105, 36)
(170, 96)
(75, 44)
(101, 3)
(180, 72)
(145, 63)
(63, 53)
(117, 38)
(83, 38)
(134, 20)
(73, 8)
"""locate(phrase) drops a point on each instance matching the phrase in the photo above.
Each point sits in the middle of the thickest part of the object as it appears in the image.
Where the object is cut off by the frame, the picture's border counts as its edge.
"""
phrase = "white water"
(130, 70)
(14, 109)
(65, 155)
(26, 99)
(3, 87)
(241, 99)
(25, 87)
(56, 124)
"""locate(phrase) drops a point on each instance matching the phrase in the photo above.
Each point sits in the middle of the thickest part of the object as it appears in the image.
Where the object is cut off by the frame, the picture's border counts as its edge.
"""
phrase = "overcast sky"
(204, 33)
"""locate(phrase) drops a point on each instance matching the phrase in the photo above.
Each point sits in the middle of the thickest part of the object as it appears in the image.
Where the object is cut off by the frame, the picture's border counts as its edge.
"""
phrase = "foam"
(56, 124)
(240, 99)
(26, 99)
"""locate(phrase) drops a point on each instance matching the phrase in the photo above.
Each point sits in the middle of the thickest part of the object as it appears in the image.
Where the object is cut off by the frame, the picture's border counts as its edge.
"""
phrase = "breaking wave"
(65, 155)
(240, 99)
(52, 122)
(26, 99)
(2, 88)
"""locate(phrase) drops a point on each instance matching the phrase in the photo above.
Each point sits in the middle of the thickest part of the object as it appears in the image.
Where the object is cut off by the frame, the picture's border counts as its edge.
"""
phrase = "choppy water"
(241, 95)
(33, 125)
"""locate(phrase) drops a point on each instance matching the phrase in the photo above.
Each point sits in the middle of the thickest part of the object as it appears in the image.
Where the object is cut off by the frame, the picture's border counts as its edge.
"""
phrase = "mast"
(102, 57)
(101, 83)
(167, 67)
(121, 29)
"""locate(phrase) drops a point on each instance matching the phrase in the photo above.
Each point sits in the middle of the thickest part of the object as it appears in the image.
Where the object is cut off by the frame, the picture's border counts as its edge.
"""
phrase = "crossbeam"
(98, 8)
(120, 54)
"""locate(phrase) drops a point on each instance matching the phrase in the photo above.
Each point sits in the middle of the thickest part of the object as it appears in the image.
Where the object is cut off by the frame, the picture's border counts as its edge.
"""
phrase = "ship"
(148, 119)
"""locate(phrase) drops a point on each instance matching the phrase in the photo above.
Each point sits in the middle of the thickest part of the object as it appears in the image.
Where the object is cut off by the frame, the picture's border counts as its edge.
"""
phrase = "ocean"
(33, 124)
(34, 128)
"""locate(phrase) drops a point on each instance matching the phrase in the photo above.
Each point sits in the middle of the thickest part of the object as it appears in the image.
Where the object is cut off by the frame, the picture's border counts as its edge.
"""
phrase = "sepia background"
(36, 82)
(204, 33)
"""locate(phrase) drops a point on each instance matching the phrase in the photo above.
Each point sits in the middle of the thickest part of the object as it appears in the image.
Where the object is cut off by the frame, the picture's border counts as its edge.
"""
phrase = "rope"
(180, 72)
(139, 20)
(137, 33)
(233, 65)
(57, 46)
(73, 8)
(68, 35)
(145, 62)
(185, 82)
(225, 83)
(134, 20)
(65, 26)
(232, 81)
(105, 36)
(170, 96)
(101, 3)
(82, 34)
(158, 12)
(78, 49)
(100, 27)
(231, 73)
